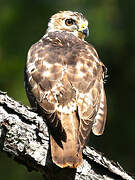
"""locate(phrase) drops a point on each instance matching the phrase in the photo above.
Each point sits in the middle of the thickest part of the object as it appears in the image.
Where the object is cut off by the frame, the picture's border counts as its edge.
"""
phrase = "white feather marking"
(94, 64)
(30, 78)
(81, 74)
(90, 70)
(86, 99)
(68, 109)
(100, 111)
(35, 86)
(64, 68)
(48, 65)
(96, 59)
(101, 105)
(80, 101)
(46, 74)
(98, 116)
(36, 54)
(30, 67)
(79, 65)
(81, 95)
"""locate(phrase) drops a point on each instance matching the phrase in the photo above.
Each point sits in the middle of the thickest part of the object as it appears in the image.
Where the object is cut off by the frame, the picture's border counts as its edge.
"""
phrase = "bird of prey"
(64, 79)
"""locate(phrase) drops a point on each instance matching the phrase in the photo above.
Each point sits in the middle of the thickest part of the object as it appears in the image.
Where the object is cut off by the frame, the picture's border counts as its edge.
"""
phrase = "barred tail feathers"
(67, 155)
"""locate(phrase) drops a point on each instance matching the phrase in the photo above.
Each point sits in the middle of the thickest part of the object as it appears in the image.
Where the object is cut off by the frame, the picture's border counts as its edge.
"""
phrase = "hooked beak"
(84, 31)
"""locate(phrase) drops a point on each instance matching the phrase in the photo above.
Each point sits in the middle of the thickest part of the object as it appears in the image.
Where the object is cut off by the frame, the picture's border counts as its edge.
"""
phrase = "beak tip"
(86, 32)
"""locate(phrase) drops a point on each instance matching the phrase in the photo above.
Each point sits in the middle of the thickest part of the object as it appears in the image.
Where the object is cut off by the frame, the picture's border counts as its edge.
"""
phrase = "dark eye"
(69, 22)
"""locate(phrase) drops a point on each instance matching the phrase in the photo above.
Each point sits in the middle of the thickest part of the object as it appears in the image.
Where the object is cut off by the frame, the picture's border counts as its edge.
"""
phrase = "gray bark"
(24, 137)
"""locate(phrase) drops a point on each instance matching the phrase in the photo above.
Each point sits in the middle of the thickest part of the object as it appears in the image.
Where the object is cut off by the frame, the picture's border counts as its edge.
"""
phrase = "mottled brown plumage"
(64, 79)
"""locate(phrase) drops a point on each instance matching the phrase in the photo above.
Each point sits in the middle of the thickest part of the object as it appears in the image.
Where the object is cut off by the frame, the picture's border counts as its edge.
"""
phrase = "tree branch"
(24, 137)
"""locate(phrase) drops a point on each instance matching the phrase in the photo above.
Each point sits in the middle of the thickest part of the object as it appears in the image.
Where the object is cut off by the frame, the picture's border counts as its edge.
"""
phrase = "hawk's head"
(69, 21)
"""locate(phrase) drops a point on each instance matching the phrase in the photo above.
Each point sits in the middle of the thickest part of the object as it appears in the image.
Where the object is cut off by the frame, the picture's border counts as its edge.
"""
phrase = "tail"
(67, 154)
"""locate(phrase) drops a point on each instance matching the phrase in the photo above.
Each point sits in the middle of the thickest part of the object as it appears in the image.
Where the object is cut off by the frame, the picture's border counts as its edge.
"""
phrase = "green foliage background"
(112, 32)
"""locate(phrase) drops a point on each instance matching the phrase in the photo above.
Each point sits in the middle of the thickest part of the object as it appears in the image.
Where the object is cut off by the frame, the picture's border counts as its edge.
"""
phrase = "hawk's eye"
(69, 22)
